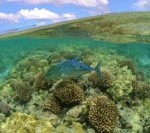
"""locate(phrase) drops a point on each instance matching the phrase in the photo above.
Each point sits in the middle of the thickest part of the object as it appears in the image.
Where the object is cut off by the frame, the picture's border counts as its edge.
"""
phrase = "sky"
(22, 14)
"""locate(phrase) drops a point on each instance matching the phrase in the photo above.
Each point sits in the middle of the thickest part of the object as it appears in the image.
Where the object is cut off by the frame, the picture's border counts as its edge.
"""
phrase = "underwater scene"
(65, 79)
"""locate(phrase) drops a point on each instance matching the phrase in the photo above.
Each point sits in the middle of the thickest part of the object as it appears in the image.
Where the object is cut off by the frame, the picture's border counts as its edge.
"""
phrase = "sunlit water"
(15, 52)
(11, 50)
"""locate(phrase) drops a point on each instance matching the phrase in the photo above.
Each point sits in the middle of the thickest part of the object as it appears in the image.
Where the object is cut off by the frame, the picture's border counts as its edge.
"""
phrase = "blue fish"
(70, 68)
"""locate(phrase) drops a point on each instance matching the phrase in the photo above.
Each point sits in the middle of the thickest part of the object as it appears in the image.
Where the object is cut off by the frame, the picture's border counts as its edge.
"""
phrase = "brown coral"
(104, 82)
(140, 75)
(41, 83)
(103, 114)
(4, 108)
(23, 90)
(52, 104)
(129, 63)
(69, 93)
(140, 89)
(54, 58)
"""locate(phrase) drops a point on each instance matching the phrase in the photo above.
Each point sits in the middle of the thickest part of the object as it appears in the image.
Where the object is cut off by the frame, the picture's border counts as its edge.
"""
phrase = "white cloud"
(11, 0)
(44, 14)
(14, 18)
(40, 24)
(101, 5)
(85, 3)
(68, 16)
(36, 14)
(142, 4)
(34, 2)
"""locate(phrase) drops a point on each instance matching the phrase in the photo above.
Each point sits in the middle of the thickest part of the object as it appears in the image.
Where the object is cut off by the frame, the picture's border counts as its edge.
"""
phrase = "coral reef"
(104, 82)
(68, 54)
(31, 64)
(52, 104)
(54, 58)
(2, 118)
(41, 83)
(75, 105)
(75, 127)
(23, 90)
(103, 114)
(23, 123)
(140, 89)
(129, 63)
(130, 120)
(4, 108)
(140, 75)
(122, 85)
(69, 93)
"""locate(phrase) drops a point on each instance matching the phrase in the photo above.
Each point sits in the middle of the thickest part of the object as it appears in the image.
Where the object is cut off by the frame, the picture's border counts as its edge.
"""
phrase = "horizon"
(16, 15)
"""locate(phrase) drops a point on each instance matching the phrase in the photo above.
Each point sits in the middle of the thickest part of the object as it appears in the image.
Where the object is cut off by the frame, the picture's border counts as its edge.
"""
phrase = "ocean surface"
(23, 58)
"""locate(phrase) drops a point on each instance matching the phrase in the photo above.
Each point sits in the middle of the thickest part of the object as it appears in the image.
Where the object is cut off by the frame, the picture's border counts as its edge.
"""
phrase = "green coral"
(23, 123)
(129, 63)
(75, 127)
(69, 93)
(122, 85)
(103, 114)
(23, 90)
(41, 83)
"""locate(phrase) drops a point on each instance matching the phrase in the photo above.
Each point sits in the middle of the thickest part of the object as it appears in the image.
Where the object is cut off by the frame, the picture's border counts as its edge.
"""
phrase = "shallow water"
(29, 56)
(11, 50)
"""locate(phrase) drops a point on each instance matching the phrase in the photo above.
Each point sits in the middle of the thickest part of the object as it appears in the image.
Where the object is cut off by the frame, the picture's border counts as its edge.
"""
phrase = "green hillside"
(122, 27)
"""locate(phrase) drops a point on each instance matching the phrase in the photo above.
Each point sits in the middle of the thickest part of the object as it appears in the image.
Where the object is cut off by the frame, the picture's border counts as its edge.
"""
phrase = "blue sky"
(20, 14)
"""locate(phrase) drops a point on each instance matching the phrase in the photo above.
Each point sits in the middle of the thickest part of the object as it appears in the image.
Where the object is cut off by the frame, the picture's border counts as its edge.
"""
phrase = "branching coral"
(54, 58)
(68, 92)
(23, 123)
(4, 108)
(41, 83)
(104, 82)
(140, 75)
(140, 89)
(103, 114)
(129, 63)
(52, 104)
(122, 84)
(23, 90)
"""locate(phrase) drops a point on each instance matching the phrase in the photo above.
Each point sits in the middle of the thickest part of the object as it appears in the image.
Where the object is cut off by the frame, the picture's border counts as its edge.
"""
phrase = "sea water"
(17, 53)
(11, 50)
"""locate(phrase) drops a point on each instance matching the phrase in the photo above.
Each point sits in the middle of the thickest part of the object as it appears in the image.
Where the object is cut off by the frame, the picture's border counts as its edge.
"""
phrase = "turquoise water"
(23, 59)
(11, 50)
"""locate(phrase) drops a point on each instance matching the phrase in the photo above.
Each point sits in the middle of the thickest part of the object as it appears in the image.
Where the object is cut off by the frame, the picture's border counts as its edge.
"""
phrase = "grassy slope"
(123, 27)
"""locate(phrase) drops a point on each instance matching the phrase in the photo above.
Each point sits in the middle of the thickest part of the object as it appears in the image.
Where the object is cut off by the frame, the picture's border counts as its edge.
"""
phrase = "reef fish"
(70, 68)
